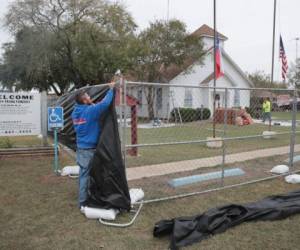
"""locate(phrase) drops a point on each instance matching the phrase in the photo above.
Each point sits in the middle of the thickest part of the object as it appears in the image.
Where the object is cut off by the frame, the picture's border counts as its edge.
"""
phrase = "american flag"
(282, 55)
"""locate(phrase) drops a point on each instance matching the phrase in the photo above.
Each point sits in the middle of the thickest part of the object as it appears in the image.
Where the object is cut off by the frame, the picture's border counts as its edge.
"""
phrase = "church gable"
(203, 74)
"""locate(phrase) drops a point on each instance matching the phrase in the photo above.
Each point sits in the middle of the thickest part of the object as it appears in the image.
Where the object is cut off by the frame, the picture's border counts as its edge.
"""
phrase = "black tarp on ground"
(188, 230)
(108, 187)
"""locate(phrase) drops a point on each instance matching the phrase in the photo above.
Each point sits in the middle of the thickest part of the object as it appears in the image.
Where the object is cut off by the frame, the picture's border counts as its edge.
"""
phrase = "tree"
(30, 63)
(261, 80)
(162, 45)
(59, 43)
(294, 74)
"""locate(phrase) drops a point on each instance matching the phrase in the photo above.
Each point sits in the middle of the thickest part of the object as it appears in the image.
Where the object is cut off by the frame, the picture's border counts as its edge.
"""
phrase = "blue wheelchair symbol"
(55, 118)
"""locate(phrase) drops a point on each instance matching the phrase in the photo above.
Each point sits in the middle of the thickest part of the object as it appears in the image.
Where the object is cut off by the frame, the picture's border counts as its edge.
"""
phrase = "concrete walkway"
(189, 165)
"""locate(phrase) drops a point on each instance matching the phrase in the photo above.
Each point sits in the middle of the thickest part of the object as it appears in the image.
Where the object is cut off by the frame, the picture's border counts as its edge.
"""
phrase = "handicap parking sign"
(55, 117)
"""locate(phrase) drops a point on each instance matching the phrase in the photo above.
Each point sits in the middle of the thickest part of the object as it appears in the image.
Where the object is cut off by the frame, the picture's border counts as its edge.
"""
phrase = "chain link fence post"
(44, 125)
(120, 111)
(124, 114)
(293, 132)
(224, 137)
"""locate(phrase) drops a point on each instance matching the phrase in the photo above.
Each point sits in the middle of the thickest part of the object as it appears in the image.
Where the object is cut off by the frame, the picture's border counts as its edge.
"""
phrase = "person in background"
(86, 117)
(266, 108)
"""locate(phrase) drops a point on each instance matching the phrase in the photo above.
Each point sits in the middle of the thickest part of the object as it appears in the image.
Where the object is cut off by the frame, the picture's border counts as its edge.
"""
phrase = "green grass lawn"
(39, 211)
(284, 115)
(179, 133)
(20, 141)
(200, 131)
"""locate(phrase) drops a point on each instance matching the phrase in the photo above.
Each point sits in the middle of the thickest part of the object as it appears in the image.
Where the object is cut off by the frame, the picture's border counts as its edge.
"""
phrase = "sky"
(247, 24)
(4, 35)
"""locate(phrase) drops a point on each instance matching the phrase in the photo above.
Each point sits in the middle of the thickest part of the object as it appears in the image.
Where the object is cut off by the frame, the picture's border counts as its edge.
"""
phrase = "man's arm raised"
(97, 109)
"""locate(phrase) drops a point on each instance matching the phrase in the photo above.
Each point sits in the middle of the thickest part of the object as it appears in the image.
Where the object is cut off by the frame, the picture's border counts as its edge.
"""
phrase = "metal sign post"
(293, 132)
(56, 160)
(55, 123)
(224, 137)
(44, 118)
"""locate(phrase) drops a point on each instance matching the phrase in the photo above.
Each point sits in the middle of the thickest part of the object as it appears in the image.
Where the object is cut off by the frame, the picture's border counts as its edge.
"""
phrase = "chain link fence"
(182, 140)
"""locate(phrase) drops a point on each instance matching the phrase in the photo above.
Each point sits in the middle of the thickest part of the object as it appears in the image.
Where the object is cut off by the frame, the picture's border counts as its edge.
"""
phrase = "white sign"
(20, 114)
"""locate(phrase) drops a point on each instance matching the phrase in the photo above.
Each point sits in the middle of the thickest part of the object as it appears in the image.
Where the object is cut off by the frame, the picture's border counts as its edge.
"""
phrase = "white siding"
(201, 96)
(142, 109)
(209, 42)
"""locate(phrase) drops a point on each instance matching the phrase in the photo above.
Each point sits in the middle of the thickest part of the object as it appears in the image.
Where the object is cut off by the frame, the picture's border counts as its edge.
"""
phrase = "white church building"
(168, 98)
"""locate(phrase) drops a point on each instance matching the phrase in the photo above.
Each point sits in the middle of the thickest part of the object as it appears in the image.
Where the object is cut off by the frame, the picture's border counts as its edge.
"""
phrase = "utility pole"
(273, 49)
(297, 68)
(273, 46)
(168, 11)
(297, 40)
(215, 69)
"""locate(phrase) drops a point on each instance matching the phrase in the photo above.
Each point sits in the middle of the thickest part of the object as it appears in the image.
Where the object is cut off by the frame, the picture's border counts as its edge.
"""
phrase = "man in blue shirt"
(86, 116)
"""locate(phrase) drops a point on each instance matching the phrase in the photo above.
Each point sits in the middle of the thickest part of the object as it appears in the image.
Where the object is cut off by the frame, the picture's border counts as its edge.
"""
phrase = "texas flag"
(219, 60)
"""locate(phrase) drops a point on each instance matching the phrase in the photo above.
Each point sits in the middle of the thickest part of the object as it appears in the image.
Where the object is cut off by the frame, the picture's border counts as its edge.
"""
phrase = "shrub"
(190, 114)
(187, 114)
(203, 114)
(7, 143)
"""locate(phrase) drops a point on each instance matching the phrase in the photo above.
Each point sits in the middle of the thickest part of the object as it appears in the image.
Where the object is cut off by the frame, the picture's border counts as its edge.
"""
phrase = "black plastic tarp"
(108, 184)
(185, 231)
(67, 101)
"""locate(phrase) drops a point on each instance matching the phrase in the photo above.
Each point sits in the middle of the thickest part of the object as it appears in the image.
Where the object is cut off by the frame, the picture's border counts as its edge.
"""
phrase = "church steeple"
(206, 33)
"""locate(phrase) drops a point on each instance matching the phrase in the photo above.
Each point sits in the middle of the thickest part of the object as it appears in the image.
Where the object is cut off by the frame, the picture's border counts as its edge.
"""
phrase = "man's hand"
(112, 84)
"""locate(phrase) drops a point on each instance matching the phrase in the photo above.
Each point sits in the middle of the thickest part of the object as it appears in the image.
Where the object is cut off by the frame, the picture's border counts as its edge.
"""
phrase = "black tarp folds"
(108, 184)
(185, 231)
(67, 101)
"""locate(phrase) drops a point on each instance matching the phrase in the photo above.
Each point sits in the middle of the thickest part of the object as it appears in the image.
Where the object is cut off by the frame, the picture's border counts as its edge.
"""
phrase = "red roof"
(206, 31)
(172, 71)
(208, 79)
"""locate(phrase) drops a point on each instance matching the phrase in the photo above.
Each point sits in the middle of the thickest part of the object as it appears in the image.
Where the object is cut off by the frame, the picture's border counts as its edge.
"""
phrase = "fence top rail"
(132, 83)
(204, 140)
(155, 84)
(98, 85)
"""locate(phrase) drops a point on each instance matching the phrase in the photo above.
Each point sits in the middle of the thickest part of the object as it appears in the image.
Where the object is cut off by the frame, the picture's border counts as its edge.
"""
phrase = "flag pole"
(168, 10)
(215, 70)
(273, 50)
(273, 45)
(297, 40)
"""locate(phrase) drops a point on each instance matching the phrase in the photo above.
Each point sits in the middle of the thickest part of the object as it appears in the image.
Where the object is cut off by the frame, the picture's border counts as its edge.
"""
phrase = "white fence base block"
(280, 169)
(269, 134)
(214, 142)
(70, 171)
(293, 179)
(136, 194)
(97, 213)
